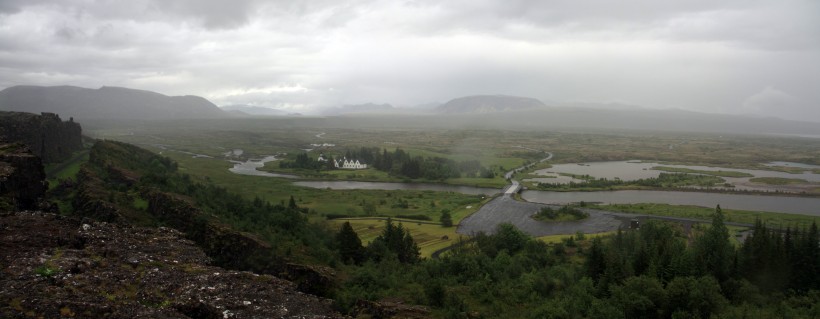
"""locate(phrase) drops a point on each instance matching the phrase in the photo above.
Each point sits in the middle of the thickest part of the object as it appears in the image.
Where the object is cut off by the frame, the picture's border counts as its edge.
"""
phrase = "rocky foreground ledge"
(53, 266)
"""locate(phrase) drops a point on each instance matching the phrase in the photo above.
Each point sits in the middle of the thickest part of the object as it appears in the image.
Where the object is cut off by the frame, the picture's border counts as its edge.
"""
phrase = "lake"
(633, 170)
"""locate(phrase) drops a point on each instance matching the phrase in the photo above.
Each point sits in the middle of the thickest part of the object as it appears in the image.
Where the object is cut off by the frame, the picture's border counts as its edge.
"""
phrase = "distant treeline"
(664, 180)
(398, 163)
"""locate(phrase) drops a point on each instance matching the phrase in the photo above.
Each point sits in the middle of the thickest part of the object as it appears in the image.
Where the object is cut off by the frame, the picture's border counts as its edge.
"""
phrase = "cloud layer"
(727, 56)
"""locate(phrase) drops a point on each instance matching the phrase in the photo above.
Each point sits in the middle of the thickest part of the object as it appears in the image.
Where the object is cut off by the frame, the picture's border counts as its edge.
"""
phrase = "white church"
(344, 163)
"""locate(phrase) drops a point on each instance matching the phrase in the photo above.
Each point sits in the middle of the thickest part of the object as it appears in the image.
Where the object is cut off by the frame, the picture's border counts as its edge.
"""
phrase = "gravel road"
(505, 209)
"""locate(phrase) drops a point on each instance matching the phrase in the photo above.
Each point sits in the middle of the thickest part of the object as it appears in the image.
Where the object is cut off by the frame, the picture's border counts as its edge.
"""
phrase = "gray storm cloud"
(730, 56)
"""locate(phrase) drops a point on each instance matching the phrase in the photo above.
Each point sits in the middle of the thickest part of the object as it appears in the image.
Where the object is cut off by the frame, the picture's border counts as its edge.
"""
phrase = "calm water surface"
(780, 204)
(399, 186)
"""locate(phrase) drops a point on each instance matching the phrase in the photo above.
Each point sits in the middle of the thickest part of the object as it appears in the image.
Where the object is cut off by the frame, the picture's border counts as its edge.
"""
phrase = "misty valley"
(440, 221)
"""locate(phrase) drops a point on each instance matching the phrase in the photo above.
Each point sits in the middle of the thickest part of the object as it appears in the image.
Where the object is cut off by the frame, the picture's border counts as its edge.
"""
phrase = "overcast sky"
(749, 57)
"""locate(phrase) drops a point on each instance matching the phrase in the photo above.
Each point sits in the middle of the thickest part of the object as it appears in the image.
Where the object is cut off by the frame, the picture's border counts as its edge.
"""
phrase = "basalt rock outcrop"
(22, 179)
(48, 137)
(61, 267)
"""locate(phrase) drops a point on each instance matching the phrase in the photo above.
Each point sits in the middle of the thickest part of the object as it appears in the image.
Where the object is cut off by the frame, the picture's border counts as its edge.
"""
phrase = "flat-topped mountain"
(360, 109)
(106, 103)
(489, 104)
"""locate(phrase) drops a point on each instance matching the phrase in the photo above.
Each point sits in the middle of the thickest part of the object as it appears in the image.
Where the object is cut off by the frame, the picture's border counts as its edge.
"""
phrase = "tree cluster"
(781, 260)
(664, 180)
(565, 212)
(303, 161)
(652, 272)
(395, 242)
(401, 163)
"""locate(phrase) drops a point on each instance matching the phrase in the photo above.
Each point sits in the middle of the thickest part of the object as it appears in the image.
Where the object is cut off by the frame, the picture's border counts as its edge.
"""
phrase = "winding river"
(780, 204)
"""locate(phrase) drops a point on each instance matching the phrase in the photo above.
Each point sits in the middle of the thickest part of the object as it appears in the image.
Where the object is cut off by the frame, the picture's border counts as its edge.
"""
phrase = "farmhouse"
(349, 164)
(344, 163)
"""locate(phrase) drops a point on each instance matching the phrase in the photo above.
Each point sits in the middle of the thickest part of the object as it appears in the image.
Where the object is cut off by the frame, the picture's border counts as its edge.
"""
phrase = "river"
(399, 186)
(779, 204)
(633, 170)
(250, 167)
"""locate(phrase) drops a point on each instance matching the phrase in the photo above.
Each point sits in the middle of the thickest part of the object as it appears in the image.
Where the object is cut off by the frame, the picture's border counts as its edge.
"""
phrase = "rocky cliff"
(22, 180)
(49, 137)
(58, 267)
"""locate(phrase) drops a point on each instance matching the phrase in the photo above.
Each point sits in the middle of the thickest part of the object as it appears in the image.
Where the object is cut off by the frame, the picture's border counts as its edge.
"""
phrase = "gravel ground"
(505, 209)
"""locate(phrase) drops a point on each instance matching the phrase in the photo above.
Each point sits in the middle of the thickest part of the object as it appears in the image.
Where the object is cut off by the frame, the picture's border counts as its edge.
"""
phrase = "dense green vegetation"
(128, 173)
(703, 172)
(397, 163)
(657, 271)
(778, 180)
(565, 213)
(647, 273)
(664, 180)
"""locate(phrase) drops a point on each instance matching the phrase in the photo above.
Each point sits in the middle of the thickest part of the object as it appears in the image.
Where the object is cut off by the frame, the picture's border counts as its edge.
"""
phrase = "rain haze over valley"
(409, 159)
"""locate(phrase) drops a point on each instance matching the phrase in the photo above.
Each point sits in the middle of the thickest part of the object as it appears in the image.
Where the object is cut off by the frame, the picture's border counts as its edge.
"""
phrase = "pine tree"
(595, 262)
(398, 241)
(292, 203)
(713, 251)
(446, 219)
(350, 246)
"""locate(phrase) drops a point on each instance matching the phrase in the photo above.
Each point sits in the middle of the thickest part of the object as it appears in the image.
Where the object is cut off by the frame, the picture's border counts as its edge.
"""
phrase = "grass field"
(429, 238)
(324, 201)
(65, 170)
(554, 239)
(704, 172)
(778, 180)
(373, 175)
(493, 148)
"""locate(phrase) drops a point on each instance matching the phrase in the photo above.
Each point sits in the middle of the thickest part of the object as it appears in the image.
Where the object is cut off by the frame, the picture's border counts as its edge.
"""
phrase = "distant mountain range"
(106, 103)
(480, 104)
(251, 110)
(485, 111)
(360, 109)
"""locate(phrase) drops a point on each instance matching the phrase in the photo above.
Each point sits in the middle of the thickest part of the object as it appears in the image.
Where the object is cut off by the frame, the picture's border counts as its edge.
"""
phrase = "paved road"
(509, 174)
(505, 209)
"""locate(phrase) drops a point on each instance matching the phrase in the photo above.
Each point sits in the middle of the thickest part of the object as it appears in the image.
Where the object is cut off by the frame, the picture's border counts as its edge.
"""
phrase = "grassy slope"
(67, 169)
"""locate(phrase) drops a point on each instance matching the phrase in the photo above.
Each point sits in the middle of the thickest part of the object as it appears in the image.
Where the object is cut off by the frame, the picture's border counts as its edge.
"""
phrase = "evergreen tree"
(595, 262)
(713, 251)
(292, 203)
(398, 241)
(350, 246)
(446, 219)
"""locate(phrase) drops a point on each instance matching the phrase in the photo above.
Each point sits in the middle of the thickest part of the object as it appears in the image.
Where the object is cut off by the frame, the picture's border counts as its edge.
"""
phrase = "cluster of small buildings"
(344, 163)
